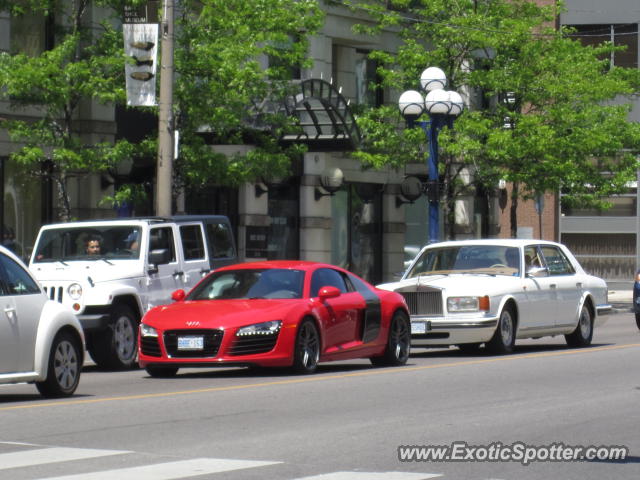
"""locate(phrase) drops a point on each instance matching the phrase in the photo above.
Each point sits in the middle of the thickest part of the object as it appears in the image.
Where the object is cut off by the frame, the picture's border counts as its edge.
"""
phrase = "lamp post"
(442, 106)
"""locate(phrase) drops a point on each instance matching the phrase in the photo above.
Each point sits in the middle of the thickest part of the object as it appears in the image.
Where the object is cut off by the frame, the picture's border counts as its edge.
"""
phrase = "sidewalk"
(621, 298)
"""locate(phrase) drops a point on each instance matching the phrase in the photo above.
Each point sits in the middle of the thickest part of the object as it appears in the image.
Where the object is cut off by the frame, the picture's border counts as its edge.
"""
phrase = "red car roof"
(288, 264)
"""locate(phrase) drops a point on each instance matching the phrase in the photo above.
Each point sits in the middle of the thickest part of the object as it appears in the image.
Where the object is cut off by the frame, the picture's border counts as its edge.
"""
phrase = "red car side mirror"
(329, 292)
(178, 295)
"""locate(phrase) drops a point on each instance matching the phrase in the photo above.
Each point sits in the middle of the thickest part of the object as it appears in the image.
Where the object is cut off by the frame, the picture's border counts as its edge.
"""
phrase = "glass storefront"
(284, 211)
(21, 214)
(356, 232)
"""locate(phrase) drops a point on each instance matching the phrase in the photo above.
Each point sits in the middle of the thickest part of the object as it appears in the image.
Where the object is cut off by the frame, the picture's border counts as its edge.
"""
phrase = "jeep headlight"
(147, 330)
(264, 328)
(467, 304)
(75, 291)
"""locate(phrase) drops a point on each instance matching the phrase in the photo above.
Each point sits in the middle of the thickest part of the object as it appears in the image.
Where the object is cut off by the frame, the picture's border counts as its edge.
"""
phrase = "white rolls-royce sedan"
(491, 292)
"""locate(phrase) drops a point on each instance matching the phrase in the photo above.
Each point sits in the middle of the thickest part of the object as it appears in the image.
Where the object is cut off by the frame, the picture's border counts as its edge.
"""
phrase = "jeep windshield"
(84, 243)
(467, 259)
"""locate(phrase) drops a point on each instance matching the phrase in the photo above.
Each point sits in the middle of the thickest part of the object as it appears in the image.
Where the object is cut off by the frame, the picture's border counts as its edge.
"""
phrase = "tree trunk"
(64, 215)
(513, 212)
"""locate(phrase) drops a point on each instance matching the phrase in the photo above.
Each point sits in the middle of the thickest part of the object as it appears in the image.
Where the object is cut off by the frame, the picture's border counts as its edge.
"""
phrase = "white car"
(41, 341)
(492, 292)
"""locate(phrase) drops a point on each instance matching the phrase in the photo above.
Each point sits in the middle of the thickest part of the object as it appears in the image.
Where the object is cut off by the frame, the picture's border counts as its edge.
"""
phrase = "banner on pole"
(141, 50)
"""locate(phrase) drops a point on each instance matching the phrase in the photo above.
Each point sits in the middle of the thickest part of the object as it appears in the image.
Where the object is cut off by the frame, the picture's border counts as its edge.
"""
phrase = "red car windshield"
(250, 284)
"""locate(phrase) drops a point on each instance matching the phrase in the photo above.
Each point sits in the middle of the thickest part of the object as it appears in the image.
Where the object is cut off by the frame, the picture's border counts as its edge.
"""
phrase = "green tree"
(547, 113)
(220, 84)
(86, 62)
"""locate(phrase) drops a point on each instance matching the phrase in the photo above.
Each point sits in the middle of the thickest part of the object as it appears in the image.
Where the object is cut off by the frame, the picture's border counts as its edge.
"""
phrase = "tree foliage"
(221, 85)
(566, 107)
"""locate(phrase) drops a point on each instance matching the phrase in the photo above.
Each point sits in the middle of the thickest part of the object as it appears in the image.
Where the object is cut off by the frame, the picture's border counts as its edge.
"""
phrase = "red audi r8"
(275, 314)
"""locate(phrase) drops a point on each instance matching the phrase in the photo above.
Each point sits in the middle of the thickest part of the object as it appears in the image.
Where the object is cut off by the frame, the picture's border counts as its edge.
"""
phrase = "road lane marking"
(318, 377)
(168, 471)
(43, 456)
(373, 476)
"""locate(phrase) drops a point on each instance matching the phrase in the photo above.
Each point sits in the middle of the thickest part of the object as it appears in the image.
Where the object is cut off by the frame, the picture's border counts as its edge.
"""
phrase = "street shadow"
(29, 398)
(268, 372)
(455, 352)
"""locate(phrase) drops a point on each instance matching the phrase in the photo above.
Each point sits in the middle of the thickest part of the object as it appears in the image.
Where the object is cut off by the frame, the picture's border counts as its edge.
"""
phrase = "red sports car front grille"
(211, 343)
(252, 344)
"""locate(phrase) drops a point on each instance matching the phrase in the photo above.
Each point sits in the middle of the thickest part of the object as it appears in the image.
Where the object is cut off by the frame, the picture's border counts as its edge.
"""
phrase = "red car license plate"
(190, 343)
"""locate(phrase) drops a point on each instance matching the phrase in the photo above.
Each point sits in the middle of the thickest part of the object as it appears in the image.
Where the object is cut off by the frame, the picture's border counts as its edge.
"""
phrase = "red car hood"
(219, 313)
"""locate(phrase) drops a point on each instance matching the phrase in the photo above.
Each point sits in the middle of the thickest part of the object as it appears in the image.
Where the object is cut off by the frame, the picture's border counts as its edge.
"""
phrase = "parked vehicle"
(41, 341)
(275, 314)
(636, 298)
(492, 292)
(110, 272)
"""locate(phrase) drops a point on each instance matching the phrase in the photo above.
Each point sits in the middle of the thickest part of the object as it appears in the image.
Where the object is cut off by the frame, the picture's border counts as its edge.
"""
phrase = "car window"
(467, 259)
(557, 262)
(162, 238)
(532, 257)
(192, 242)
(327, 277)
(118, 242)
(15, 279)
(250, 284)
(359, 285)
(220, 240)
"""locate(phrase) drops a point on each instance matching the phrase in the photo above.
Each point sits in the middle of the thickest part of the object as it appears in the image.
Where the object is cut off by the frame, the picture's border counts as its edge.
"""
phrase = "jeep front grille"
(424, 303)
(54, 293)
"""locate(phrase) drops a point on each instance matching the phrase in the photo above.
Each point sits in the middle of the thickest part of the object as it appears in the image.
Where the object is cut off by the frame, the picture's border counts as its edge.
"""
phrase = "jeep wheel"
(117, 347)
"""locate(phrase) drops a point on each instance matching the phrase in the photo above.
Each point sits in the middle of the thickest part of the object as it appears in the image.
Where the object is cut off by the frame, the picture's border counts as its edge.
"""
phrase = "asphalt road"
(344, 423)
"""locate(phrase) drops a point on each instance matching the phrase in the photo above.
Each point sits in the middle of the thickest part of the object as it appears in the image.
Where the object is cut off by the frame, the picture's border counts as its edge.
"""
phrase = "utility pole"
(164, 169)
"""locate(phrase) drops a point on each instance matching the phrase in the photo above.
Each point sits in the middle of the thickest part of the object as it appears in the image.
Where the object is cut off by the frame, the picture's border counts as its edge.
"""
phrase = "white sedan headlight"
(147, 330)
(264, 328)
(75, 291)
(467, 304)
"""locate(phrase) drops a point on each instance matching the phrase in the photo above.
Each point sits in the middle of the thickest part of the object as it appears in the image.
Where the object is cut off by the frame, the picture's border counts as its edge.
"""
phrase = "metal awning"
(324, 119)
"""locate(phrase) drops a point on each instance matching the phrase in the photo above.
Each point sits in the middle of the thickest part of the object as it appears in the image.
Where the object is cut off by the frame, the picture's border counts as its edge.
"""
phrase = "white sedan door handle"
(579, 284)
(553, 285)
(11, 313)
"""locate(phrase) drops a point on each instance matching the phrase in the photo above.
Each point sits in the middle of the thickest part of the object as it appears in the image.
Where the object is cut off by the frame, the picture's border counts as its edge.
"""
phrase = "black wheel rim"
(308, 345)
(400, 339)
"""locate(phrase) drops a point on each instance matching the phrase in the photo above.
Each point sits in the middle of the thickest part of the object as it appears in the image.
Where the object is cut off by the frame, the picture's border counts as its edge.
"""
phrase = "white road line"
(168, 471)
(41, 456)
(373, 476)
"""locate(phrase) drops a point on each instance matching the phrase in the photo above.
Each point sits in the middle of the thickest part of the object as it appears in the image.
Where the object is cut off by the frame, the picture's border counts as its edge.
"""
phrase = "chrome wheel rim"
(65, 365)
(585, 323)
(124, 338)
(506, 328)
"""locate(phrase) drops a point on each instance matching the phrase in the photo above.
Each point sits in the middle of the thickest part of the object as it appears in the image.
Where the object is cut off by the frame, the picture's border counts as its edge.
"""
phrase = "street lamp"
(442, 106)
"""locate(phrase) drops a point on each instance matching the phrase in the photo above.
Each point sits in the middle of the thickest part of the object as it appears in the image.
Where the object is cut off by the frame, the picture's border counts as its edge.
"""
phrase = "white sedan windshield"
(487, 259)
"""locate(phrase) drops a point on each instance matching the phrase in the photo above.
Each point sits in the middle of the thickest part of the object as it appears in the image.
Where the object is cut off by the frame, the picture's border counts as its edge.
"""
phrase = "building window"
(620, 35)
(621, 206)
(278, 62)
(20, 209)
(30, 34)
(366, 81)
